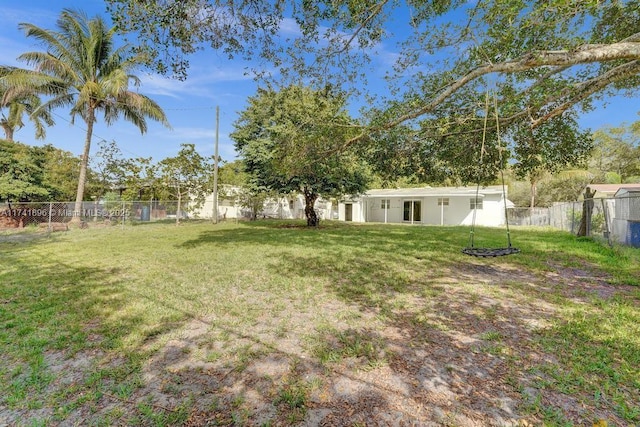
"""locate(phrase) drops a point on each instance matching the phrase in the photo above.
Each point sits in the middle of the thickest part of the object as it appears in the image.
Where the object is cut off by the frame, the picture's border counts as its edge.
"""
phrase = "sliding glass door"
(412, 211)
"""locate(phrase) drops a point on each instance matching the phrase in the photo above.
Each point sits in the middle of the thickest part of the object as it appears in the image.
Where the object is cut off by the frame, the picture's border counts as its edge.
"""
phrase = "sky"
(190, 106)
(213, 82)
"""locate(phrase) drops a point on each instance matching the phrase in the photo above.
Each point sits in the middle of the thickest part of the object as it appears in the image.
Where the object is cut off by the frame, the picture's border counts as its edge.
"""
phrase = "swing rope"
(475, 203)
(490, 252)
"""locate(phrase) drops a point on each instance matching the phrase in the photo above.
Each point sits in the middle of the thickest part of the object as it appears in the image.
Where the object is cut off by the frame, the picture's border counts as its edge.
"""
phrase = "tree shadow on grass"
(460, 337)
(460, 334)
(439, 338)
(83, 374)
(247, 379)
(63, 328)
(421, 242)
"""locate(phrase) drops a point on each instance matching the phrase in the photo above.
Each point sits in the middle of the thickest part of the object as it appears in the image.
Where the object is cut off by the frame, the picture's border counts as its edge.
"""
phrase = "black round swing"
(490, 252)
(471, 249)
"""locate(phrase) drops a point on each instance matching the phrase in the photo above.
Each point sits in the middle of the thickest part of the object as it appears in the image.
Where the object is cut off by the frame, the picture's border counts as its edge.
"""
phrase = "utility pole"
(215, 170)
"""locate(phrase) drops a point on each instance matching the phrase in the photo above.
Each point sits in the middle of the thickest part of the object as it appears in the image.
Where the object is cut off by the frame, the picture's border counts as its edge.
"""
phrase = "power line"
(95, 137)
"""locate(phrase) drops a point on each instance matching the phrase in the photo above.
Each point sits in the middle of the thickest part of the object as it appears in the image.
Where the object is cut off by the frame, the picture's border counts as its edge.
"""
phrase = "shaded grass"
(114, 298)
(600, 347)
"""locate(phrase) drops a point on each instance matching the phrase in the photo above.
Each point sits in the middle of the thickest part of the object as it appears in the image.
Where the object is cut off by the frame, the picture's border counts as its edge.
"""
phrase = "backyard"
(272, 323)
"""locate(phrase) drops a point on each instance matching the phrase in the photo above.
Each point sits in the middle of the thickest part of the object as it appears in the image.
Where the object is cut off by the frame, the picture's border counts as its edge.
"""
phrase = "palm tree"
(17, 105)
(81, 69)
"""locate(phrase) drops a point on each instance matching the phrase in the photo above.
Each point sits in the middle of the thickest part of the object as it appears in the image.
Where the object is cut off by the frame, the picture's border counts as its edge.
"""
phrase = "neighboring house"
(283, 207)
(427, 205)
(609, 190)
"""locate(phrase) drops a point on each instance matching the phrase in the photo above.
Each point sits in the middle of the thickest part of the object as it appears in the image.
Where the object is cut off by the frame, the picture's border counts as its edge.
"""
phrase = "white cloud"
(190, 134)
(289, 27)
(199, 83)
(155, 85)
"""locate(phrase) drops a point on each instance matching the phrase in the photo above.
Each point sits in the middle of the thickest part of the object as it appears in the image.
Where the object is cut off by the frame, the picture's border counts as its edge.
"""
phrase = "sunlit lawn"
(86, 314)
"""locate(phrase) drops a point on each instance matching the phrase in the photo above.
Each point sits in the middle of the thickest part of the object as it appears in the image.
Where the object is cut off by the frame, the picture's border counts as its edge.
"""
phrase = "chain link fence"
(57, 215)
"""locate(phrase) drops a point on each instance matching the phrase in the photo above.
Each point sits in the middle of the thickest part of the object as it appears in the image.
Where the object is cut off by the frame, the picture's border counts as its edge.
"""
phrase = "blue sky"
(190, 105)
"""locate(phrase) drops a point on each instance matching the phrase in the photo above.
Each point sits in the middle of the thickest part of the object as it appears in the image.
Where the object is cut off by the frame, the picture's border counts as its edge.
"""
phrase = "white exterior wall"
(286, 207)
(226, 209)
(491, 214)
(458, 212)
(377, 214)
(289, 207)
(369, 209)
(357, 210)
(454, 213)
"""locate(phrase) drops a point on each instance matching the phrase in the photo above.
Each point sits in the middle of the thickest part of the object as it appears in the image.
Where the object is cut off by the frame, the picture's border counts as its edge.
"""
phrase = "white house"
(289, 206)
(428, 206)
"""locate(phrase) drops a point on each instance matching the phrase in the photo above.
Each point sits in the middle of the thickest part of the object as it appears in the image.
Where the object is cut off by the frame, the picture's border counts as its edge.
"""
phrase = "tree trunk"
(179, 208)
(8, 132)
(310, 198)
(77, 209)
(587, 209)
(534, 192)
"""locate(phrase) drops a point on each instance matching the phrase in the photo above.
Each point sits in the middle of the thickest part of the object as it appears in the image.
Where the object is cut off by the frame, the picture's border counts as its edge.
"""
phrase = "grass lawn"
(271, 323)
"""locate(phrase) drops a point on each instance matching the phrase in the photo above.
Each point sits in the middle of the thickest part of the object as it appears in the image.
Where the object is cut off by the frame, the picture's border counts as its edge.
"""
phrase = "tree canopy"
(616, 157)
(553, 54)
(36, 173)
(112, 172)
(186, 177)
(543, 60)
(291, 140)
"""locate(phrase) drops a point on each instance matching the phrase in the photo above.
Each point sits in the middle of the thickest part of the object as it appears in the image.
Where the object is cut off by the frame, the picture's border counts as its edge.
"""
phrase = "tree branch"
(588, 53)
(374, 11)
(590, 87)
(564, 58)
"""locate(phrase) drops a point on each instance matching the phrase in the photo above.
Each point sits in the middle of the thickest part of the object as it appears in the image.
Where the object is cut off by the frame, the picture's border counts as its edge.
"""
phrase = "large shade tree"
(61, 169)
(291, 140)
(21, 175)
(81, 69)
(553, 55)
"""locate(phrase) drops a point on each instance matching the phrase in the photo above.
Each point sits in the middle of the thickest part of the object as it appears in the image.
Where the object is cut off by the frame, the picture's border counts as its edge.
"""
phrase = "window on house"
(385, 203)
(443, 201)
(475, 203)
(290, 205)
